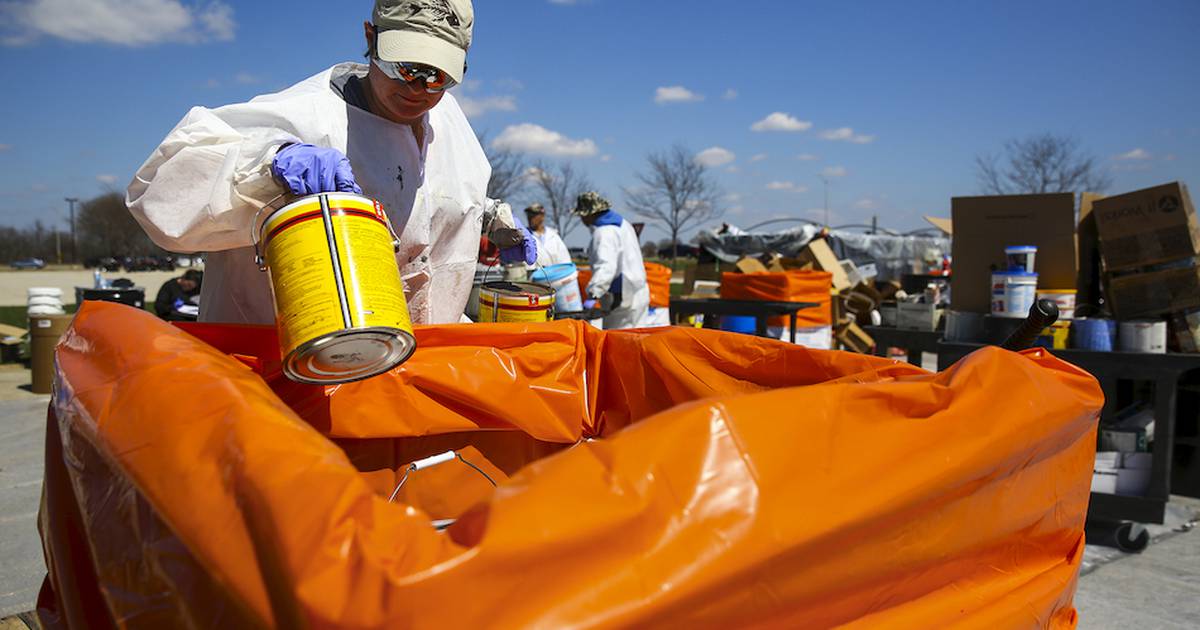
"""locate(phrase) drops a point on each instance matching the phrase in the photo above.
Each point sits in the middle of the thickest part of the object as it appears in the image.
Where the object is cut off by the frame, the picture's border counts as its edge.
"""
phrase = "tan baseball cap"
(431, 32)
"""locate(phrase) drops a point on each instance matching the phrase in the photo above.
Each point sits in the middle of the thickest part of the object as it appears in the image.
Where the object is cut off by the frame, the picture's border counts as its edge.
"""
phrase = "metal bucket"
(339, 301)
(515, 302)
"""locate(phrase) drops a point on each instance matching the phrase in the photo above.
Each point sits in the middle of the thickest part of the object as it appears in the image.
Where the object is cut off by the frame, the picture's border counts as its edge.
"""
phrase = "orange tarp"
(784, 286)
(658, 277)
(683, 478)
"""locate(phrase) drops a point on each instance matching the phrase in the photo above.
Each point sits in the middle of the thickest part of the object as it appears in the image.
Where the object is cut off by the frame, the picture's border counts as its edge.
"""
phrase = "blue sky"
(894, 100)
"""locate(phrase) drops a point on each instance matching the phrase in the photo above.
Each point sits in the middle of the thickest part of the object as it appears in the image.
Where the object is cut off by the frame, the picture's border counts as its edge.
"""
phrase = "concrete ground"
(1159, 588)
(14, 283)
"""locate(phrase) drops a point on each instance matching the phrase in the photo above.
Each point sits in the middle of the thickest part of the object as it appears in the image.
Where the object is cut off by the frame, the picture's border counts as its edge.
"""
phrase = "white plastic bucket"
(1064, 299)
(45, 300)
(44, 292)
(1142, 336)
(564, 279)
(1021, 258)
(37, 310)
(1013, 293)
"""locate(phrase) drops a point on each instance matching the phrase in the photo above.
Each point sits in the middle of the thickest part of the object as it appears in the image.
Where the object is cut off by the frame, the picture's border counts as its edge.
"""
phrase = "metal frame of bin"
(760, 310)
(912, 342)
(1165, 371)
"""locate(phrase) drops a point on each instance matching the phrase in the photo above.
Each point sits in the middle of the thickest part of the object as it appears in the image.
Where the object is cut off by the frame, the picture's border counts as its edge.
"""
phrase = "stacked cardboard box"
(1150, 249)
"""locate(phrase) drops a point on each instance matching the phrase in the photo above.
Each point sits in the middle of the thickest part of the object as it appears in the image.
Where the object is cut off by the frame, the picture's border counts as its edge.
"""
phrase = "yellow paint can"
(515, 302)
(339, 301)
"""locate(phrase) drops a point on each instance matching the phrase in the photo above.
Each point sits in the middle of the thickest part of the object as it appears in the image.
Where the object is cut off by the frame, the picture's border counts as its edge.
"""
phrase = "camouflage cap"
(536, 208)
(431, 32)
(590, 203)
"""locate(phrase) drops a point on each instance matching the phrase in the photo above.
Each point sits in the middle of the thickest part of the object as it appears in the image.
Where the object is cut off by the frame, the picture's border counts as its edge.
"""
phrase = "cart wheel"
(1127, 536)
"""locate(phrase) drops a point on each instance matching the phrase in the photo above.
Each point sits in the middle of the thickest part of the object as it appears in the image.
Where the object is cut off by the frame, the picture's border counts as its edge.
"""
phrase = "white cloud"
(846, 134)
(470, 85)
(834, 171)
(473, 107)
(531, 138)
(512, 85)
(786, 186)
(730, 94)
(733, 169)
(1136, 154)
(779, 121)
(866, 204)
(245, 78)
(117, 22)
(5, 147)
(758, 157)
(732, 198)
(715, 156)
(675, 94)
(807, 157)
(107, 180)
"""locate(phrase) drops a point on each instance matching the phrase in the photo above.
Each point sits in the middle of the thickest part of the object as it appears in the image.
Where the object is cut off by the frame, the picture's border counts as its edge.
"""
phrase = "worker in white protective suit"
(616, 260)
(386, 128)
(551, 248)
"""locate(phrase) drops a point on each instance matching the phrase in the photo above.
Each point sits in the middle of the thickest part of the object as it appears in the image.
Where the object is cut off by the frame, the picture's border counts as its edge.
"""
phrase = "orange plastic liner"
(691, 478)
(785, 286)
(658, 277)
(585, 276)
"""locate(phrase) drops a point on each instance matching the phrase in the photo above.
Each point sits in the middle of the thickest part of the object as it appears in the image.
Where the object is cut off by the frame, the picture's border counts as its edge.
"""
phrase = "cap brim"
(415, 47)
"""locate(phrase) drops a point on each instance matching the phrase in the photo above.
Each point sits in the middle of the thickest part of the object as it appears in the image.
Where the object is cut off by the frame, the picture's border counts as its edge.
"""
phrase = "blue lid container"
(552, 273)
(746, 324)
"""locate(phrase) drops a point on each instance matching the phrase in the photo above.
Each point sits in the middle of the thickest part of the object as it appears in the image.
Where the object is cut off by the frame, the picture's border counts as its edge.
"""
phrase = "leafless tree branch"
(675, 192)
(1043, 163)
(558, 185)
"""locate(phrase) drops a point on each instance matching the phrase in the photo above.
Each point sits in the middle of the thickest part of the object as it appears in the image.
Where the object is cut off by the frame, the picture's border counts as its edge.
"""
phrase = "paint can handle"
(254, 231)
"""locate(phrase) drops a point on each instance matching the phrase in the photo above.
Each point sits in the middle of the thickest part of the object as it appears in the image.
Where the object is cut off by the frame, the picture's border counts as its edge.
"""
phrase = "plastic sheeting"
(785, 286)
(893, 255)
(658, 278)
(733, 482)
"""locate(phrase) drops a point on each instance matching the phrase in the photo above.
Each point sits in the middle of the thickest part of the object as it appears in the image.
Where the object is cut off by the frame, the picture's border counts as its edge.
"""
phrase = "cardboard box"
(855, 339)
(984, 226)
(915, 316)
(1184, 330)
(1147, 227)
(750, 265)
(820, 255)
(1087, 283)
(1154, 293)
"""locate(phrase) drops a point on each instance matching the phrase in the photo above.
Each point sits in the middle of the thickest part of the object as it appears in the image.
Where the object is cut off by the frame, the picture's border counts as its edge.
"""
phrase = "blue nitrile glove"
(306, 169)
(589, 304)
(526, 251)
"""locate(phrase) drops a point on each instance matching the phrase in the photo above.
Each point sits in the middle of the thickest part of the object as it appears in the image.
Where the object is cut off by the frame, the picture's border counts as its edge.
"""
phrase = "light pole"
(74, 243)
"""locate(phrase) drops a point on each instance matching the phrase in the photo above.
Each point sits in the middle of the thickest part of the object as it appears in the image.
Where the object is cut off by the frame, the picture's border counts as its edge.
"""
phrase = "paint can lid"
(349, 355)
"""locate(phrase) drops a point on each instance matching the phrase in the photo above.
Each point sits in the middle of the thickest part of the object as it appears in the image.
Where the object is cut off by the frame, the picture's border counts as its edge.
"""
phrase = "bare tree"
(558, 186)
(1043, 163)
(508, 171)
(676, 192)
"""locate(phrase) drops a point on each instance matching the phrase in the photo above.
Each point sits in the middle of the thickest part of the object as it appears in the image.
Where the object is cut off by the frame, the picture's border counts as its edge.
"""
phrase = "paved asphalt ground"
(1159, 588)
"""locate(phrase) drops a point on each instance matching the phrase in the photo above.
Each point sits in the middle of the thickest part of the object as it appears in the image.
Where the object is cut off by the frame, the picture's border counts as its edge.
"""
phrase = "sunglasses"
(434, 80)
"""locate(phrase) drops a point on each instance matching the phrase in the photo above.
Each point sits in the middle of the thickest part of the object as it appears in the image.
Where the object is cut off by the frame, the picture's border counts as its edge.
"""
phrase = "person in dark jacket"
(176, 301)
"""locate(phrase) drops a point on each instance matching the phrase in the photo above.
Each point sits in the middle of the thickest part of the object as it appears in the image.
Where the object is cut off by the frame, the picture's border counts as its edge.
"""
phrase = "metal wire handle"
(434, 461)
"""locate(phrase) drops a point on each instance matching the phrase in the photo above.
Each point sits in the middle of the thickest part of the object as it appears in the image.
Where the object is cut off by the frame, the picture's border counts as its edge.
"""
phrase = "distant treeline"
(103, 227)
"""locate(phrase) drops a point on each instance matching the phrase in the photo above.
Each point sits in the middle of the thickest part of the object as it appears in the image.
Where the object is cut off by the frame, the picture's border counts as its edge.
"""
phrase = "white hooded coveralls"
(551, 248)
(614, 252)
(201, 188)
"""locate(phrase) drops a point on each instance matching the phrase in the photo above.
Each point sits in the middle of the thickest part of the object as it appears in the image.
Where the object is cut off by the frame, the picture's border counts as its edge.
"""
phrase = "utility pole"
(74, 242)
(58, 244)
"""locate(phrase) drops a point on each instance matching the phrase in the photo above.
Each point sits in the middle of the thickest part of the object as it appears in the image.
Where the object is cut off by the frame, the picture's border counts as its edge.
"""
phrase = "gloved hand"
(306, 169)
(525, 251)
(590, 304)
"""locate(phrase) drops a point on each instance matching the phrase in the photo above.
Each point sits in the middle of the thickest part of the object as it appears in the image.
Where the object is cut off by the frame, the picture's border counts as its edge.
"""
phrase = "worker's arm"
(164, 303)
(200, 189)
(606, 251)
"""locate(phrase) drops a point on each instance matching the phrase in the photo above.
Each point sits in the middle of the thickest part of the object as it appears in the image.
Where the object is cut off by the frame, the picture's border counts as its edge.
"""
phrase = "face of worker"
(535, 221)
(398, 101)
(187, 285)
(590, 219)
